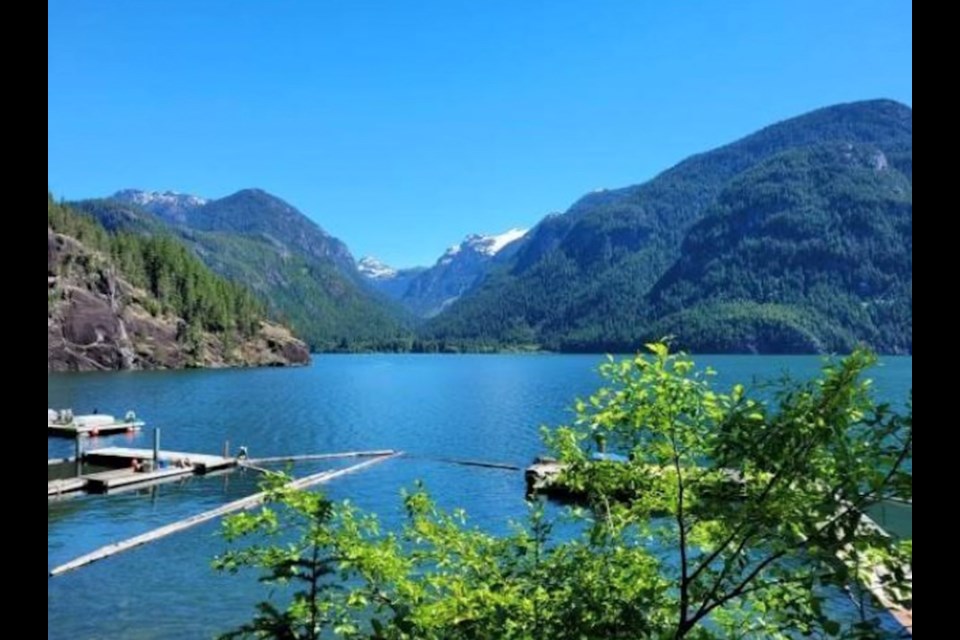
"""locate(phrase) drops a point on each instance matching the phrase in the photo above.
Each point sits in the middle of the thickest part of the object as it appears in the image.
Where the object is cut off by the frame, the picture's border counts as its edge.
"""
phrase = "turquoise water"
(486, 407)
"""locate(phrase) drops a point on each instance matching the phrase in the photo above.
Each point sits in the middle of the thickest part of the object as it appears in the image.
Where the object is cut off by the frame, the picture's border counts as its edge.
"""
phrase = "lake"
(483, 407)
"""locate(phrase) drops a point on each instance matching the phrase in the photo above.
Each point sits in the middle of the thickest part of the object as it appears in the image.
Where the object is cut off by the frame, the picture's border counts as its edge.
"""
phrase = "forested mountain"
(618, 266)
(307, 277)
(130, 301)
(811, 250)
(797, 238)
(426, 292)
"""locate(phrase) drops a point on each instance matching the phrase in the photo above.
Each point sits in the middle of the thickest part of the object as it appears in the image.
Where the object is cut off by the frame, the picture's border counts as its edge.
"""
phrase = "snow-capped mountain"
(385, 279)
(370, 267)
(171, 206)
(483, 245)
(428, 291)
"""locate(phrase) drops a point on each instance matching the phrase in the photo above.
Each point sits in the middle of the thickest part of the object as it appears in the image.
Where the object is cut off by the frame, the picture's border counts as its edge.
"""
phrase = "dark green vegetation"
(797, 238)
(179, 283)
(306, 278)
(728, 517)
(133, 301)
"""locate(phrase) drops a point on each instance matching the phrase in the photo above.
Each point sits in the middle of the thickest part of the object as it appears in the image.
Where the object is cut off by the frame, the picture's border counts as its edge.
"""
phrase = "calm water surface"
(472, 406)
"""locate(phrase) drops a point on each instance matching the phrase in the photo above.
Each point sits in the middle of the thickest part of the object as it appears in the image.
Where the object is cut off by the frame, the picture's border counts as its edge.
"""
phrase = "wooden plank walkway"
(236, 505)
(107, 480)
(119, 460)
(66, 485)
(123, 456)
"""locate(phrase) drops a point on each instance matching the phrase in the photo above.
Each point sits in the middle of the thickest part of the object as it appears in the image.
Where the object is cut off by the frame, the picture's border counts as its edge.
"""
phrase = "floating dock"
(72, 430)
(116, 468)
(112, 468)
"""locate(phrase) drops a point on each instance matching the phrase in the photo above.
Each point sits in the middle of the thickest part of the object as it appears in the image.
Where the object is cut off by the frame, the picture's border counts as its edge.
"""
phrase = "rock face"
(98, 321)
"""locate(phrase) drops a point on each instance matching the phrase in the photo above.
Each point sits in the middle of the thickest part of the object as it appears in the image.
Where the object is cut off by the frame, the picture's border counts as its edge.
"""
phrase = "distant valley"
(427, 291)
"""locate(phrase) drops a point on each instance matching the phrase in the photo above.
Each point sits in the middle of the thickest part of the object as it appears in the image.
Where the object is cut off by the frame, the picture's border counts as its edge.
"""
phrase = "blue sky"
(400, 127)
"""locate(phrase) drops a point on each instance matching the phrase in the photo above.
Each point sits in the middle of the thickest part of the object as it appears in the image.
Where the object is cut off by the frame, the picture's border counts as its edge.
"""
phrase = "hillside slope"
(120, 302)
(583, 280)
(306, 277)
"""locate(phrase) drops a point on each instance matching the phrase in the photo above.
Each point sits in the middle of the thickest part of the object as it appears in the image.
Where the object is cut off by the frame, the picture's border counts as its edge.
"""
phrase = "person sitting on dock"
(137, 465)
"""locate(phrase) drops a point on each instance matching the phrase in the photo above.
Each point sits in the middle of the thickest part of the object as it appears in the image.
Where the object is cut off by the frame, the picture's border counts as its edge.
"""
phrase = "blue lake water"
(484, 407)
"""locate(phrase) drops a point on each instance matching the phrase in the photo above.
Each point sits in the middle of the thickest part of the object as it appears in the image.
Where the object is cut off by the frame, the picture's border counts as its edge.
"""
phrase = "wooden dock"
(73, 431)
(66, 485)
(121, 473)
(124, 456)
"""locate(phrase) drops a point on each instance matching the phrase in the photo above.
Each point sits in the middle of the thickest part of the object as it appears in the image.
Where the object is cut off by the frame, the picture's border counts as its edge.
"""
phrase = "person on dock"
(136, 465)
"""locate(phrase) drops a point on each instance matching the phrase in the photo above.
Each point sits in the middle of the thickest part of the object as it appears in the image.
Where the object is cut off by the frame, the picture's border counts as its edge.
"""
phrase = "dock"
(125, 456)
(116, 469)
(70, 430)
(112, 468)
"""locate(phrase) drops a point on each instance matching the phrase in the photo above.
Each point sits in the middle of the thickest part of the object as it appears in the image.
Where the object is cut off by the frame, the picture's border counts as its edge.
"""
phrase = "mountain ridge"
(307, 277)
(611, 247)
(620, 266)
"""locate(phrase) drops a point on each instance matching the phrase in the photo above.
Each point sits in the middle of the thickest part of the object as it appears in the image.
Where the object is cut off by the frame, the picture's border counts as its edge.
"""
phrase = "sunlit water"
(481, 407)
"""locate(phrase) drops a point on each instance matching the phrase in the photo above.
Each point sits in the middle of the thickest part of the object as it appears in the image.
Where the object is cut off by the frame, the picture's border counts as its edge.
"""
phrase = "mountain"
(122, 301)
(171, 206)
(811, 250)
(611, 271)
(391, 282)
(426, 292)
(307, 277)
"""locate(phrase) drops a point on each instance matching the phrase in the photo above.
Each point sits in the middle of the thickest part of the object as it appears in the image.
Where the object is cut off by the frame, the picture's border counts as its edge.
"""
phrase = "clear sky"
(400, 127)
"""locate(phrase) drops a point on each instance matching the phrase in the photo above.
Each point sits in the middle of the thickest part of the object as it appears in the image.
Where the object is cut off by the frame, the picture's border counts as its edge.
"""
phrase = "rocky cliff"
(97, 320)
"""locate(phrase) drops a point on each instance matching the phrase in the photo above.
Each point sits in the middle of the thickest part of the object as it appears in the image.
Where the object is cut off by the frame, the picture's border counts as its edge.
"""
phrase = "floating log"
(236, 505)
(480, 463)
(324, 456)
(253, 467)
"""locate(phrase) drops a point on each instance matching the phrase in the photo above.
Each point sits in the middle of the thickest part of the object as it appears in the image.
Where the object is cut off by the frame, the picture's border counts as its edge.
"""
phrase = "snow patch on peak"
(477, 243)
(492, 245)
(370, 267)
(164, 198)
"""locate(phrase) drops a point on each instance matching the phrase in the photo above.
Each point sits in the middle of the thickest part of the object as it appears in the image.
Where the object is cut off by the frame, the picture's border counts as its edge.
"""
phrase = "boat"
(65, 423)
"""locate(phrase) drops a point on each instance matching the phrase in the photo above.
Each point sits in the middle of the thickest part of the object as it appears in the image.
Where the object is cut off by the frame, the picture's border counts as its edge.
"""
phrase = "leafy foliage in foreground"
(730, 518)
